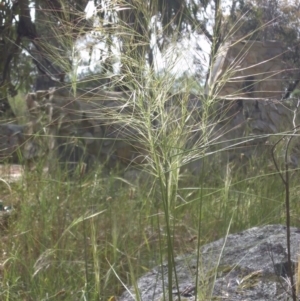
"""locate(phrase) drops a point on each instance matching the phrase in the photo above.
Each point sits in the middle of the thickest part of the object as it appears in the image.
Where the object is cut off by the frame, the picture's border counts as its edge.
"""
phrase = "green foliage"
(72, 240)
(84, 239)
(18, 106)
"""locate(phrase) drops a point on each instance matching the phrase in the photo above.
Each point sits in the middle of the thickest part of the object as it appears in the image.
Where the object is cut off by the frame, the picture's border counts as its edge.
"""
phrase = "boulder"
(16, 144)
(73, 159)
(241, 109)
(247, 69)
(11, 137)
(103, 124)
(246, 266)
(89, 117)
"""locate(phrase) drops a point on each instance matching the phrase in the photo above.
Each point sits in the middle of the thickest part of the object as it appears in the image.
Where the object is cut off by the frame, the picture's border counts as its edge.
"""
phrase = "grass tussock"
(81, 240)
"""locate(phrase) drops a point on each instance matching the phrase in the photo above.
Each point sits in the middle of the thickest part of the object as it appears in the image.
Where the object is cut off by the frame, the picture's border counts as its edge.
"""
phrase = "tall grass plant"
(86, 240)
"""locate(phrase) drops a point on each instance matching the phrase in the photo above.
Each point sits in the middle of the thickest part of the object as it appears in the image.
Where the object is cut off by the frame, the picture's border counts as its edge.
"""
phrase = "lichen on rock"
(246, 266)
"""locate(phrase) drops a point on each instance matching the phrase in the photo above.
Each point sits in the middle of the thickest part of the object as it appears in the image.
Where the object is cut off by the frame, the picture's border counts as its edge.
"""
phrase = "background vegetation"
(84, 240)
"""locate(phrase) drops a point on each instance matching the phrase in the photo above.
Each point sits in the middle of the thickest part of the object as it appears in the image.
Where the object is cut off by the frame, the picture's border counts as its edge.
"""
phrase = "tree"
(49, 38)
(21, 36)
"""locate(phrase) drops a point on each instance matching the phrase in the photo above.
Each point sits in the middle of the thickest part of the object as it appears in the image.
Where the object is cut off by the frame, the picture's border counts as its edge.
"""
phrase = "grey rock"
(11, 137)
(245, 110)
(16, 144)
(73, 158)
(246, 266)
(247, 69)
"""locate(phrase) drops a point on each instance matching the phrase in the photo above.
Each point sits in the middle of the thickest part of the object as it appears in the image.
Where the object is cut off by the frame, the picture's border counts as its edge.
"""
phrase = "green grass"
(77, 241)
(81, 240)
(84, 239)
(18, 106)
